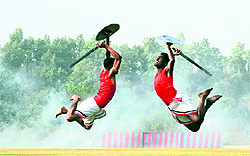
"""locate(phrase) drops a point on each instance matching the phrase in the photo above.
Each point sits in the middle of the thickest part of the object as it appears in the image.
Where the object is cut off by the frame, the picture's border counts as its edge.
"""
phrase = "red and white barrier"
(161, 140)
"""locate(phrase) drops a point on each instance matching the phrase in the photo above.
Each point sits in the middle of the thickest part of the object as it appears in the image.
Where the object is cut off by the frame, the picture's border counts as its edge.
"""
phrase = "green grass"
(126, 152)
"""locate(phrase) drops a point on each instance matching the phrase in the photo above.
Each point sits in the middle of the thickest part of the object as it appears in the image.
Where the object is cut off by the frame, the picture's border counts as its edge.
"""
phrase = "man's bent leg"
(71, 116)
(75, 117)
(210, 101)
(194, 127)
(199, 117)
(81, 122)
(201, 108)
(61, 110)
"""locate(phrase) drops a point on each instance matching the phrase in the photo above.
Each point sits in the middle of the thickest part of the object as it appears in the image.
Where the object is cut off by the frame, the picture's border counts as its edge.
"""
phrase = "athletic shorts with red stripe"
(88, 110)
(180, 107)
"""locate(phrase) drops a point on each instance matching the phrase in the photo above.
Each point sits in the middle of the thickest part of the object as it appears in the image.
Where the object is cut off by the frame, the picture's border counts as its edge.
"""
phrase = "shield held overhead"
(105, 33)
(174, 40)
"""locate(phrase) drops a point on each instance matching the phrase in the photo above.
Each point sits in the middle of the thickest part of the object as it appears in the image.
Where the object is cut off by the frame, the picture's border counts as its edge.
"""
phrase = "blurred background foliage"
(30, 70)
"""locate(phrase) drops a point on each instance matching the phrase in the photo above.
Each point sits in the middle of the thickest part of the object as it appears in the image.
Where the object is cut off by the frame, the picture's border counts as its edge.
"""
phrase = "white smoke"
(127, 112)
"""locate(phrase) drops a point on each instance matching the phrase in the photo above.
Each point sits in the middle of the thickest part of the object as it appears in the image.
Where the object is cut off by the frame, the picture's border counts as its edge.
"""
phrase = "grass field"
(127, 152)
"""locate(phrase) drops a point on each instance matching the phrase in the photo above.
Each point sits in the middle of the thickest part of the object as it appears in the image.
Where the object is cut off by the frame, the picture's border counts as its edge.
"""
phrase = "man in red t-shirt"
(180, 106)
(92, 108)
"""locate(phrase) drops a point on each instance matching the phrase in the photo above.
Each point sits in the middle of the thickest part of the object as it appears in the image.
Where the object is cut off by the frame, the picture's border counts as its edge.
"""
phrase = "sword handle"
(87, 54)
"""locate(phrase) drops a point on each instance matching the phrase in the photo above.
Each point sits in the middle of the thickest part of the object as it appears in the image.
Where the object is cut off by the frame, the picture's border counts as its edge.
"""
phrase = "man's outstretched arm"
(170, 66)
(171, 54)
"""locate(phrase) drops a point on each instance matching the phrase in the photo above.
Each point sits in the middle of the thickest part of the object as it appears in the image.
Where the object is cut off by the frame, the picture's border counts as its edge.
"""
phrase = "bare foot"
(73, 97)
(212, 100)
(205, 93)
(61, 110)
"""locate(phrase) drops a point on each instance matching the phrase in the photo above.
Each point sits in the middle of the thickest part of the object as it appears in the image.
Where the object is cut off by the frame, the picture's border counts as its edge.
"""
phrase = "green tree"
(84, 79)
(41, 46)
(133, 64)
(237, 59)
(54, 67)
(248, 68)
(151, 50)
(234, 84)
(206, 56)
(27, 47)
(13, 56)
(9, 89)
(80, 42)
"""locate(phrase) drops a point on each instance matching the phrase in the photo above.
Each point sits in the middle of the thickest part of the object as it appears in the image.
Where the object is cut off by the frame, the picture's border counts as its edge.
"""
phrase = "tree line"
(31, 69)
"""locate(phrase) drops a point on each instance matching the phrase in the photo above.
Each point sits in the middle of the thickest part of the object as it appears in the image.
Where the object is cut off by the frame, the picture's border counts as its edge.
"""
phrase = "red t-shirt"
(106, 90)
(164, 87)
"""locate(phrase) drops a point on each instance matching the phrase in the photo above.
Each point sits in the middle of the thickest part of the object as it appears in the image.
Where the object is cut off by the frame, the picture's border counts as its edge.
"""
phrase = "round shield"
(107, 31)
(170, 39)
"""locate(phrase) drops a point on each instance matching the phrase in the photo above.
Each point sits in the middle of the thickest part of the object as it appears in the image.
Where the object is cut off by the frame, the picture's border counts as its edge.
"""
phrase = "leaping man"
(92, 108)
(181, 107)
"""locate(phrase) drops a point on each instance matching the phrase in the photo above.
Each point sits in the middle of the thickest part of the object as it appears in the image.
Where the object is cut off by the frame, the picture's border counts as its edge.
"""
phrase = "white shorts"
(88, 110)
(181, 108)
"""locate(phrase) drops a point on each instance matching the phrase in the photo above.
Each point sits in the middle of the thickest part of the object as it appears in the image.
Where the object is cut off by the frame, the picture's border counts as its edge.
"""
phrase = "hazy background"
(223, 22)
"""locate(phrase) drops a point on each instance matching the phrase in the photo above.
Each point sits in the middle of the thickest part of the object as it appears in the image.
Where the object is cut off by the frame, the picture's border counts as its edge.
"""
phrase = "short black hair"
(165, 56)
(108, 63)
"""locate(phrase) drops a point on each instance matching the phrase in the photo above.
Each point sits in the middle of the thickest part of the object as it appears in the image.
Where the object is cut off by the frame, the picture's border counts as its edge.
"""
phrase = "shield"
(107, 31)
(170, 39)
